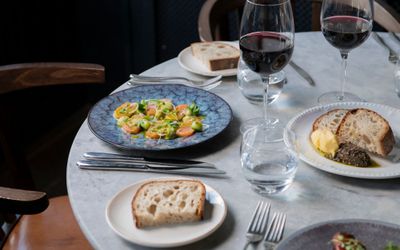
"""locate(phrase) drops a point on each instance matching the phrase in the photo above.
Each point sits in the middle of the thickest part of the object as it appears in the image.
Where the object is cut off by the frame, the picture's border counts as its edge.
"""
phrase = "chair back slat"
(28, 75)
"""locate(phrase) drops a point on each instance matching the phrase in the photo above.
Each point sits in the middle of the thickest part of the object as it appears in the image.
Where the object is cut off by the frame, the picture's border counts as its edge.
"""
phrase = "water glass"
(267, 163)
(251, 86)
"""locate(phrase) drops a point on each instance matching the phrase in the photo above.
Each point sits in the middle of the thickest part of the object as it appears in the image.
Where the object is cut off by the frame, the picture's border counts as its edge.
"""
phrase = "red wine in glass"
(346, 32)
(266, 52)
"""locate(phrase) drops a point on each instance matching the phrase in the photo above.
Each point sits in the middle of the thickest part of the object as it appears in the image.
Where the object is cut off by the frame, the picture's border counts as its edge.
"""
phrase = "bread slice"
(168, 202)
(216, 55)
(330, 120)
(368, 130)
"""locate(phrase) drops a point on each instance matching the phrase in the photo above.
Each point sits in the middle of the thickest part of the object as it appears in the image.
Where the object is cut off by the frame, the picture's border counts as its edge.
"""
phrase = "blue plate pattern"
(217, 112)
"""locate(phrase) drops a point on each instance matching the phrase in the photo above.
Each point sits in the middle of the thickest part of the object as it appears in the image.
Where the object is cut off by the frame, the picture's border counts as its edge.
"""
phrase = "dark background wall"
(124, 35)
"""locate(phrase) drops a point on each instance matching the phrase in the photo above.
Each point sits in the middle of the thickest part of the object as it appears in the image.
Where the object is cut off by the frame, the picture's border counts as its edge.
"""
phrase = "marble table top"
(315, 196)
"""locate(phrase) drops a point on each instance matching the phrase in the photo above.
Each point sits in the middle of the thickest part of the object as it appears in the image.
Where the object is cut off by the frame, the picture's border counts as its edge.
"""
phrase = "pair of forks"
(203, 84)
(258, 222)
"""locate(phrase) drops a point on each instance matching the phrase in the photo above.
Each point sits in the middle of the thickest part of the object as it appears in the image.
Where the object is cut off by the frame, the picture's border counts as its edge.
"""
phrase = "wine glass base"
(335, 96)
(273, 129)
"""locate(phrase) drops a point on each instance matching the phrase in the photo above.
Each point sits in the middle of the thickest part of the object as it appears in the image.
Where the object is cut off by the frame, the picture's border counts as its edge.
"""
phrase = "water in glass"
(269, 165)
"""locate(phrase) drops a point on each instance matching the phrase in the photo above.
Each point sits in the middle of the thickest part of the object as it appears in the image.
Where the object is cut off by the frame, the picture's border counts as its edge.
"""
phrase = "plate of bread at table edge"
(166, 212)
(210, 58)
(353, 139)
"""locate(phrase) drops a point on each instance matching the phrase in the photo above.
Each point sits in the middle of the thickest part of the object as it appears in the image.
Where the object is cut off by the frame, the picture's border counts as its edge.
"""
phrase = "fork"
(393, 57)
(256, 228)
(205, 84)
(275, 230)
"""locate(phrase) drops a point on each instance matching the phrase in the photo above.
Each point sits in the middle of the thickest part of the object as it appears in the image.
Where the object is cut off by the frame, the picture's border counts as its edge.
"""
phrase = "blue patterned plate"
(217, 112)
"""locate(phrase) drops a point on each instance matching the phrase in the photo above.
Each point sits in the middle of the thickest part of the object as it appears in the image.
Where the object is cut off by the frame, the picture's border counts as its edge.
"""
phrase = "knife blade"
(147, 160)
(141, 167)
(395, 36)
(393, 56)
(302, 73)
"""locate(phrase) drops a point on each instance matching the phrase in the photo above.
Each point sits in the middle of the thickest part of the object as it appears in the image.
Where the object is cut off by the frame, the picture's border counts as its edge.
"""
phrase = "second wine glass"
(266, 45)
(345, 25)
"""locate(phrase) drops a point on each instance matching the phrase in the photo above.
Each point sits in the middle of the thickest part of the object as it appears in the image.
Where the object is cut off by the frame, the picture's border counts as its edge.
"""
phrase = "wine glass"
(266, 45)
(345, 25)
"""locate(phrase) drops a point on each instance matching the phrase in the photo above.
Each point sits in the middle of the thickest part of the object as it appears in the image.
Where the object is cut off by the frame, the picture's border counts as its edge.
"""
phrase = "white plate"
(119, 218)
(302, 125)
(187, 61)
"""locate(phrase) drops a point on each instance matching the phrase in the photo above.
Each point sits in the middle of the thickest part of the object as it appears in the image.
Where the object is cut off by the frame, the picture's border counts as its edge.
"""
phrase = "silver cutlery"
(204, 84)
(302, 73)
(111, 157)
(395, 36)
(393, 57)
(275, 231)
(256, 228)
(146, 167)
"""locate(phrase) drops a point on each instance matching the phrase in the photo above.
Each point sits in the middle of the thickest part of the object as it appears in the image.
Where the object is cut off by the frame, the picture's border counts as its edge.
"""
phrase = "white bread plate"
(119, 218)
(188, 62)
(301, 125)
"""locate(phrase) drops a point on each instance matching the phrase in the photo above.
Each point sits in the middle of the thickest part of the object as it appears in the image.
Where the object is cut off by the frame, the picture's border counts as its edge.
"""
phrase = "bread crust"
(323, 116)
(199, 210)
(386, 140)
(214, 61)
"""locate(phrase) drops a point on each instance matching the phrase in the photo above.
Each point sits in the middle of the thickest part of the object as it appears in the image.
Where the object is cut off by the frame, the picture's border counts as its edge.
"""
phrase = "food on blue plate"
(346, 241)
(216, 55)
(168, 202)
(353, 132)
(159, 118)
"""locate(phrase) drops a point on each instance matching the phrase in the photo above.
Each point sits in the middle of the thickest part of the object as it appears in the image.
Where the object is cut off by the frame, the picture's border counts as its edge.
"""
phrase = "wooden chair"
(55, 228)
(213, 24)
(15, 79)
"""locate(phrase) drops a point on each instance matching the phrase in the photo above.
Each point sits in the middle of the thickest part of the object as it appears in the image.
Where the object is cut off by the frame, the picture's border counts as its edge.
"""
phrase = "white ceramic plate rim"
(177, 235)
(188, 62)
(302, 124)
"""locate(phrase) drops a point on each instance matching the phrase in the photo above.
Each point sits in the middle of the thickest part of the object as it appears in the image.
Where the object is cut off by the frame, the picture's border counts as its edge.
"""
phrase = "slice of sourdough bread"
(368, 130)
(330, 120)
(216, 55)
(168, 202)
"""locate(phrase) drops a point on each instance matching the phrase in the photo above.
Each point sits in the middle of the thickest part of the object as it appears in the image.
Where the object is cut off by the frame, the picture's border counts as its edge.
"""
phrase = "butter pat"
(325, 141)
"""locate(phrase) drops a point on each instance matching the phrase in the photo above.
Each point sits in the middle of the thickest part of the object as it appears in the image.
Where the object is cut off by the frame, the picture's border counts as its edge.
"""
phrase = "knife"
(155, 161)
(144, 167)
(302, 72)
(395, 36)
(393, 57)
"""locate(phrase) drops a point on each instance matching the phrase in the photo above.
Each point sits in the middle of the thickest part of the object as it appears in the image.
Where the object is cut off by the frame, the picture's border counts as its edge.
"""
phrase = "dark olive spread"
(350, 154)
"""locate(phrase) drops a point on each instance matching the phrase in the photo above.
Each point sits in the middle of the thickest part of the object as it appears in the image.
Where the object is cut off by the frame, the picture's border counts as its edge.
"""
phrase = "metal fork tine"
(215, 79)
(264, 218)
(260, 219)
(281, 227)
(268, 234)
(253, 218)
(275, 229)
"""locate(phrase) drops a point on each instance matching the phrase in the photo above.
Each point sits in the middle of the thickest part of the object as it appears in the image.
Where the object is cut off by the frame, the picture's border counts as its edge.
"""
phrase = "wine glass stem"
(344, 56)
(265, 81)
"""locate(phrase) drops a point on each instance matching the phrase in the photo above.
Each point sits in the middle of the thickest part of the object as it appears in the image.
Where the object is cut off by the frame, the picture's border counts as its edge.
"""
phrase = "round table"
(315, 195)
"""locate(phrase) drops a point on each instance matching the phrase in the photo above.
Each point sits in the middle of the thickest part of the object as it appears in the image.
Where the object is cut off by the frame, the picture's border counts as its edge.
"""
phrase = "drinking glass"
(345, 25)
(266, 45)
(269, 166)
(251, 86)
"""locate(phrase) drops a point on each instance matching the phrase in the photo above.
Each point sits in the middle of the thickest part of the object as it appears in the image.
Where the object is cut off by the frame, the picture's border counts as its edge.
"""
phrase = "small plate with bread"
(354, 139)
(210, 58)
(166, 212)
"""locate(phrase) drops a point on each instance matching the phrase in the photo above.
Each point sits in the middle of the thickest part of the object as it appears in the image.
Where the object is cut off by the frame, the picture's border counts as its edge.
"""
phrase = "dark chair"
(214, 17)
(56, 227)
(26, 226)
